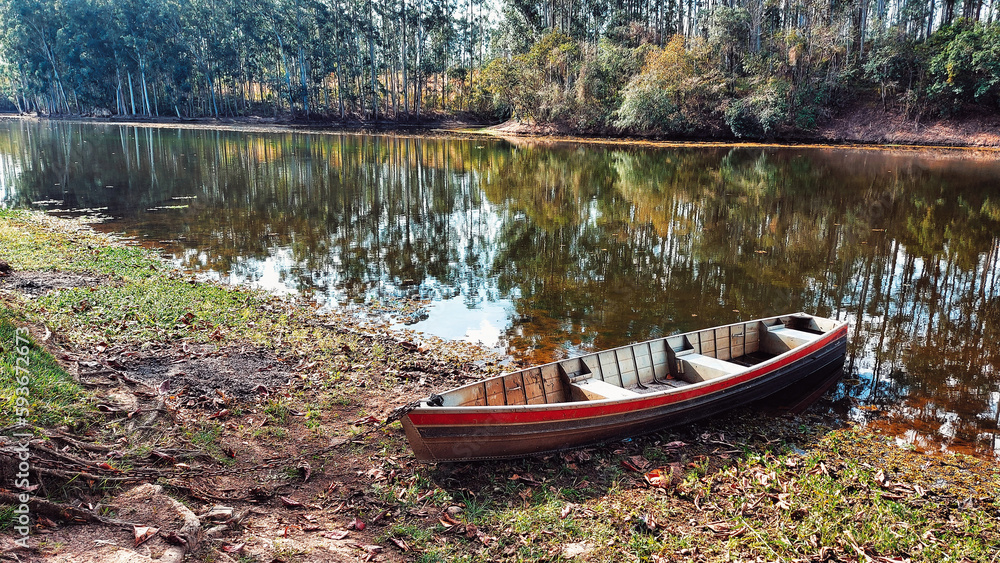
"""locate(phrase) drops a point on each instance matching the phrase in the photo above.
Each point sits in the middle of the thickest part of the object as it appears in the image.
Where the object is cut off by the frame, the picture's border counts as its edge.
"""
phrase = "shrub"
(677, 90)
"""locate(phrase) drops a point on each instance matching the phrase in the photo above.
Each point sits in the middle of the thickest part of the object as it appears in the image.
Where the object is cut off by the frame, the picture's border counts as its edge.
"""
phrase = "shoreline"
(864, 130)
(250, 404)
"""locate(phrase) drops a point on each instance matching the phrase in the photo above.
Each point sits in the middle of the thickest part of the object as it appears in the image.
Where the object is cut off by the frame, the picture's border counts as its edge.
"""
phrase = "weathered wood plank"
(515, 389)
(533, 387)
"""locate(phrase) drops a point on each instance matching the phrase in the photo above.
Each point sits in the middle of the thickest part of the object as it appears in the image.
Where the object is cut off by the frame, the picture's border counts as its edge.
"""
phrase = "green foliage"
(890, 64)
(676, 90)
(537, 85)
(760, 113)
(964, 66)
(33, 386)
(589, 66)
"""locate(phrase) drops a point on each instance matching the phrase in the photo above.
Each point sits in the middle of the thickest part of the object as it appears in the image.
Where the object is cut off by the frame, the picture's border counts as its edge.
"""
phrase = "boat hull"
(439, 434)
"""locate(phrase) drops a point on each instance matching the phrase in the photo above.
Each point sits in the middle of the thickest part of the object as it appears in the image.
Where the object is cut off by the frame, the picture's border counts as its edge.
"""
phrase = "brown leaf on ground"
(290, 503)
(725, 529)
(402, 545)
(356, 524)
(233, 548)
(566, 511)
(665, 477)
(143, 533)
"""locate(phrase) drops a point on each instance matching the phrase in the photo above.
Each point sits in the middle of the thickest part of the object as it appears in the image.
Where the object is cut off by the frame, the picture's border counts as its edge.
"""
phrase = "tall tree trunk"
(145, 89)
(211, 89)
(120, 109)
(131, 95)
(288, 76)
(371, 54)
(302, 79)
(402, 47)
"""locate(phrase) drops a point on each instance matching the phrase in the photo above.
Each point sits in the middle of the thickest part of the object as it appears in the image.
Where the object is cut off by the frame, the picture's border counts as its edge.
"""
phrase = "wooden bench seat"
(595, 389)
(790, 333)
(780, 339)
(698, 367)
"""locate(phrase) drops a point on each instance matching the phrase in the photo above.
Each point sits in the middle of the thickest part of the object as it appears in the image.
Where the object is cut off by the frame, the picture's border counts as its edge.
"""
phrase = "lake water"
(551, 249)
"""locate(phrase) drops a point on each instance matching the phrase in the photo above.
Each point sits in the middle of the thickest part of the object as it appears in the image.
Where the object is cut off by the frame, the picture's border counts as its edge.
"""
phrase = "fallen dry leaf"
(402, 545)
(566, 511)
(665, 476)
(784, 501)
(233, 548)
(447, 518)
(290, 503)
(336, 534)
(143, 533)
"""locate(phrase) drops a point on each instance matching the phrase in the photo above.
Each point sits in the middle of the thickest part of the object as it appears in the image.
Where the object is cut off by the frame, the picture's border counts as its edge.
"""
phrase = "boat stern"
(420, 449)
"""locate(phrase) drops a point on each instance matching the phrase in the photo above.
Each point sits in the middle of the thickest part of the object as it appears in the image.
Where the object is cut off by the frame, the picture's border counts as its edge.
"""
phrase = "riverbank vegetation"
(748, 69)
(268, 411)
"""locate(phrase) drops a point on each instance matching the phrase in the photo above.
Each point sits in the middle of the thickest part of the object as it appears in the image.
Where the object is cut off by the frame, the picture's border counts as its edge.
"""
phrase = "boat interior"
(647, 367)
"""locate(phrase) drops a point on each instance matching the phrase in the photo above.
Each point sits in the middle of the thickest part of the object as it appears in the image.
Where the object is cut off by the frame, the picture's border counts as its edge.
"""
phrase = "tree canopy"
(749, 68)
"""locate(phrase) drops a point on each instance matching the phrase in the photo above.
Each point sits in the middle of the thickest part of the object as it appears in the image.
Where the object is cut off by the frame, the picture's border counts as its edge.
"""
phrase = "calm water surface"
(551, 250)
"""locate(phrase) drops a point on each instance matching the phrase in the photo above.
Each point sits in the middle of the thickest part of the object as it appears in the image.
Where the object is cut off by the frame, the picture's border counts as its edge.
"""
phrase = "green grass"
(58, 245)
(156, 307)
(833, 497)
(277, 410)
(140, 300)
(51, 397)
(7, 516)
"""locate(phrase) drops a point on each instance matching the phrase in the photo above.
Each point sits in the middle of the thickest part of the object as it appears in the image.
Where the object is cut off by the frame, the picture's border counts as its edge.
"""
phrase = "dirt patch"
(92, 543)
(868, 123)
(145, 505)
(37, 283)
(207, 376)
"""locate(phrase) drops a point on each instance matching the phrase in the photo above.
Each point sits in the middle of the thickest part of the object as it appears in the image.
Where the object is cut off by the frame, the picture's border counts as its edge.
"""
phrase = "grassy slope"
(849, 493)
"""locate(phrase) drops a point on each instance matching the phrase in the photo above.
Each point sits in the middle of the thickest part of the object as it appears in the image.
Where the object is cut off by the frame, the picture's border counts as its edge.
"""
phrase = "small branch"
(63, 511)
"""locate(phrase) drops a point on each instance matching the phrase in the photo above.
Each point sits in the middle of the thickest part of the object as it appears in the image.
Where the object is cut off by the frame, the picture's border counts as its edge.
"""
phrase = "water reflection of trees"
(358, 214)
(906, 251)
(596, 246)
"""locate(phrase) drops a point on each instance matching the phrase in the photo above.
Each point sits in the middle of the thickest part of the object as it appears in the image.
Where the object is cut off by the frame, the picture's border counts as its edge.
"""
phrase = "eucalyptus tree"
(31, 36)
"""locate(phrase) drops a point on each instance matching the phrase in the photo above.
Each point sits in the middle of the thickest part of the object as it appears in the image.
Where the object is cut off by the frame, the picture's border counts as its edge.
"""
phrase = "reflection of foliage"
(595, 246)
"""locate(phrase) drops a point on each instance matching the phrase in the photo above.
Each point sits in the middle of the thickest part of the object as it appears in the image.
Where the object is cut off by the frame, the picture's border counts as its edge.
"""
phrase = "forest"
(743, 68)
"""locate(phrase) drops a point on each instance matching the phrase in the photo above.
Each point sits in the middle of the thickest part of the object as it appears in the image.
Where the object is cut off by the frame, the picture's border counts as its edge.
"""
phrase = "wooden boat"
(624, 391)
